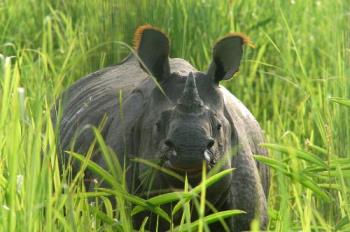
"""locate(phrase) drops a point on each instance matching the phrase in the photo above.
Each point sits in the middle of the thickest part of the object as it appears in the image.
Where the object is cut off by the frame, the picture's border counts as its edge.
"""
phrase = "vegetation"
(296, 82)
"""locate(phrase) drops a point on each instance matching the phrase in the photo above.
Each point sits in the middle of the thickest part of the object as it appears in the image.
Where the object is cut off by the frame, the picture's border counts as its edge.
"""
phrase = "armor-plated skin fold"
(178, 117)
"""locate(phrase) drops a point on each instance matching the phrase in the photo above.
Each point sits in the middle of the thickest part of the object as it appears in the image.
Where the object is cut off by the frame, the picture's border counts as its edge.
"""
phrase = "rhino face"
(186, 131)
(184, 123)
(193, 133)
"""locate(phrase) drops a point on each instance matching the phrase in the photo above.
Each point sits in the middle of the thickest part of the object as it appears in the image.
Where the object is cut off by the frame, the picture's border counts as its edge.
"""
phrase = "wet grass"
(296, 83)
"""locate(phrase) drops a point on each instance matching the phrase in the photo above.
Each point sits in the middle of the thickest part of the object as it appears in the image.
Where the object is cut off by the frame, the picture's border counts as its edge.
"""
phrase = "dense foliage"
(296, 82)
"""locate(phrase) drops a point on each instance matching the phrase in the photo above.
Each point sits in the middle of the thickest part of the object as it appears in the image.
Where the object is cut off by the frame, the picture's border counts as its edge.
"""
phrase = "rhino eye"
(218, 126)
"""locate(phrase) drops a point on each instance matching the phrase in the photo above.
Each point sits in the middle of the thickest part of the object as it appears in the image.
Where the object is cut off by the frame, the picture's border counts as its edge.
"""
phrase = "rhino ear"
(227, 55)
(152, 46)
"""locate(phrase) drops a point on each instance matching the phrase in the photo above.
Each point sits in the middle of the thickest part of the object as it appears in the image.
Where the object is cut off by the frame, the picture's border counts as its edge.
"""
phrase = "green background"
(296, 82)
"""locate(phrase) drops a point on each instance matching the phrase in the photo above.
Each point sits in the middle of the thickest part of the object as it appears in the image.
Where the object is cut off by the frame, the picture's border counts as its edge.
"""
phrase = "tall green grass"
(296, 82)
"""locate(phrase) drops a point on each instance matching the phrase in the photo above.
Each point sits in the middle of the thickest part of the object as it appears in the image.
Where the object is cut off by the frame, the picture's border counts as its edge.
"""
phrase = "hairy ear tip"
(245, 39)
(140, 31)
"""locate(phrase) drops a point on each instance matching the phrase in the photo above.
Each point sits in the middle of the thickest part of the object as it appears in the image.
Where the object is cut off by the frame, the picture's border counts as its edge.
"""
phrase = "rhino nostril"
(210, 143)
(169, 143)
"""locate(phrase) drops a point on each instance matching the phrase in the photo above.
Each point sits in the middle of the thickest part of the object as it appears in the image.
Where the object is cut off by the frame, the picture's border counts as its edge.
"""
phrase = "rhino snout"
(189, 158)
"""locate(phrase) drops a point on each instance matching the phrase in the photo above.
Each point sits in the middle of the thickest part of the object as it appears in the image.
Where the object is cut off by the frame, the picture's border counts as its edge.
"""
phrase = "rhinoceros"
(162, 109)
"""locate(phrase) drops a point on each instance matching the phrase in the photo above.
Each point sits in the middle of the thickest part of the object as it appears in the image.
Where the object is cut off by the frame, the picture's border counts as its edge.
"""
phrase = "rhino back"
(91, 98)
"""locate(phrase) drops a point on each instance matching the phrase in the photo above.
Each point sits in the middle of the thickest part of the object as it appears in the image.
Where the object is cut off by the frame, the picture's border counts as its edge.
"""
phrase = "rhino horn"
(190, 101)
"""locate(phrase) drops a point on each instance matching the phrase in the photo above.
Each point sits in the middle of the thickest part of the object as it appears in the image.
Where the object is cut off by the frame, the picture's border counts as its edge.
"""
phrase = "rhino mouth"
(194, 172)
(192, 169)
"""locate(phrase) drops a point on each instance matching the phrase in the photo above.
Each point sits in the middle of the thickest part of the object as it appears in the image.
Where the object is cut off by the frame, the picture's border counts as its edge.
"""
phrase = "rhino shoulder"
(248, 131)
(240, 113)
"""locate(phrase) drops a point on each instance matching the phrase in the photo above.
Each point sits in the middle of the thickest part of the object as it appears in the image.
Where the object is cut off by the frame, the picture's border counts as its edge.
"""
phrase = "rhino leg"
(247, 193)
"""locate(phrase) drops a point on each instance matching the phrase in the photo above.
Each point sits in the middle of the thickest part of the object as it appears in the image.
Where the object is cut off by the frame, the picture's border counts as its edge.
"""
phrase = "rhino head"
(185, 123)
(190, 132)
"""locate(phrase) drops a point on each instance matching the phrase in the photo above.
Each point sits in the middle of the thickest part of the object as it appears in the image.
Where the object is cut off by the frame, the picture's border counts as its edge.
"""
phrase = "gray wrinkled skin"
(158, 128)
